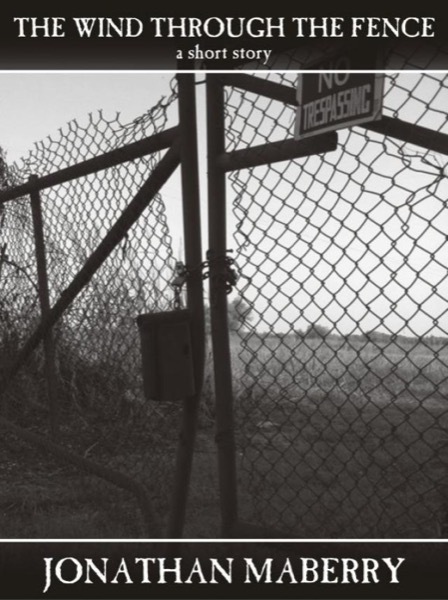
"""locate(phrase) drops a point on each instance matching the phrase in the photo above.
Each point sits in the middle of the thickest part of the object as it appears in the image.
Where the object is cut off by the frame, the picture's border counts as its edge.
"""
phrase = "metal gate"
(85, 248)
(330, 373)
(331, 396)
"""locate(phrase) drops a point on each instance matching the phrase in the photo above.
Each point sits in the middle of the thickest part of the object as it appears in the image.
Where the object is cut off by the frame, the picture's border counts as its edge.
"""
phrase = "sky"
(34, 105)
(356, 238)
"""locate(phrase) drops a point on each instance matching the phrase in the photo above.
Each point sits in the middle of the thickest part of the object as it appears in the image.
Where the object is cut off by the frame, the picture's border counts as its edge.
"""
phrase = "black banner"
(153, 38)
(224, 570)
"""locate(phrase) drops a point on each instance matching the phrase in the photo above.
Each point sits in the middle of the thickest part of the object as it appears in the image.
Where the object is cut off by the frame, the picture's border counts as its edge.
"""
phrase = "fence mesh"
(101, 410)
(341, 367)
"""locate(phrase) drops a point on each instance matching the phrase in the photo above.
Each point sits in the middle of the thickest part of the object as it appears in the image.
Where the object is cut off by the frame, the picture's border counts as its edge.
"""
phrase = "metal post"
(44, 299)
(218, 307)
(193, 259)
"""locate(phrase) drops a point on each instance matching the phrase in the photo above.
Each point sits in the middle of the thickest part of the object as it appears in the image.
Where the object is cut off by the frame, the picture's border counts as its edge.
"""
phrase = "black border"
(21, 562)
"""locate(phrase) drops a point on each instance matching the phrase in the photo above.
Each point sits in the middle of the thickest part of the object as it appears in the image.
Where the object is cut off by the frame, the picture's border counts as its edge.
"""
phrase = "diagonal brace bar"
(129, 216)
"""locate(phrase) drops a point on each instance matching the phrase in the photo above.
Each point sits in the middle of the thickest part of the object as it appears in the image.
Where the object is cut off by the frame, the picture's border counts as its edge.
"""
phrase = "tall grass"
(343, 438)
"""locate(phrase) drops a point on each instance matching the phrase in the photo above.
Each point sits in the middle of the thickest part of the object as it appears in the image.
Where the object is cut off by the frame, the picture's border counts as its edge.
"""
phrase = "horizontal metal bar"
(389, 126)
(408, 132)
(156, 142)
(277, 151)
(263, 87)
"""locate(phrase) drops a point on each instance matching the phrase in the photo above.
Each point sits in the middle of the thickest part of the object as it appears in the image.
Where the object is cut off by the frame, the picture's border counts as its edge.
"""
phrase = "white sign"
(336, 98)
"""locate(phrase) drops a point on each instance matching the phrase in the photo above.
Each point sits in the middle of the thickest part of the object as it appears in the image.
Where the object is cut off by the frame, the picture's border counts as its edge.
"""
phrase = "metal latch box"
(167, 360)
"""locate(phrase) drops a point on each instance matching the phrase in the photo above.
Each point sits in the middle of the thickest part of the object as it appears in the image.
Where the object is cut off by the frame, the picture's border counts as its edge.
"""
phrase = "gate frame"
(195, 297)
(219, 163)
(180, 143)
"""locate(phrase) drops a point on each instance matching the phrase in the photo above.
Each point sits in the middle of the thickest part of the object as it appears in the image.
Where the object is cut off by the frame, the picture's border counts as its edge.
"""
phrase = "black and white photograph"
(224, 312)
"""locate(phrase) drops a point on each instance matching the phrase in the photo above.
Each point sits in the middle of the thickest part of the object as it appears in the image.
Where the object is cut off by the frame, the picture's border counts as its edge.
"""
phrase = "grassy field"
(343, 438)
(335, 439)
(44, 498)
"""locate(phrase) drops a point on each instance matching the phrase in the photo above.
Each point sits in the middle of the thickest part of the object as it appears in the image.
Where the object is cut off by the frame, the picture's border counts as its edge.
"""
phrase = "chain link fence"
(340, 365)
(341, 368)
(101, 413)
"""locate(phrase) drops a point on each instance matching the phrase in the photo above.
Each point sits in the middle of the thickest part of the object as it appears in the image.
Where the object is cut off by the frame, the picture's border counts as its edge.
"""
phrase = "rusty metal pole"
(44, 299)
(195, 301)
(218, 307)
